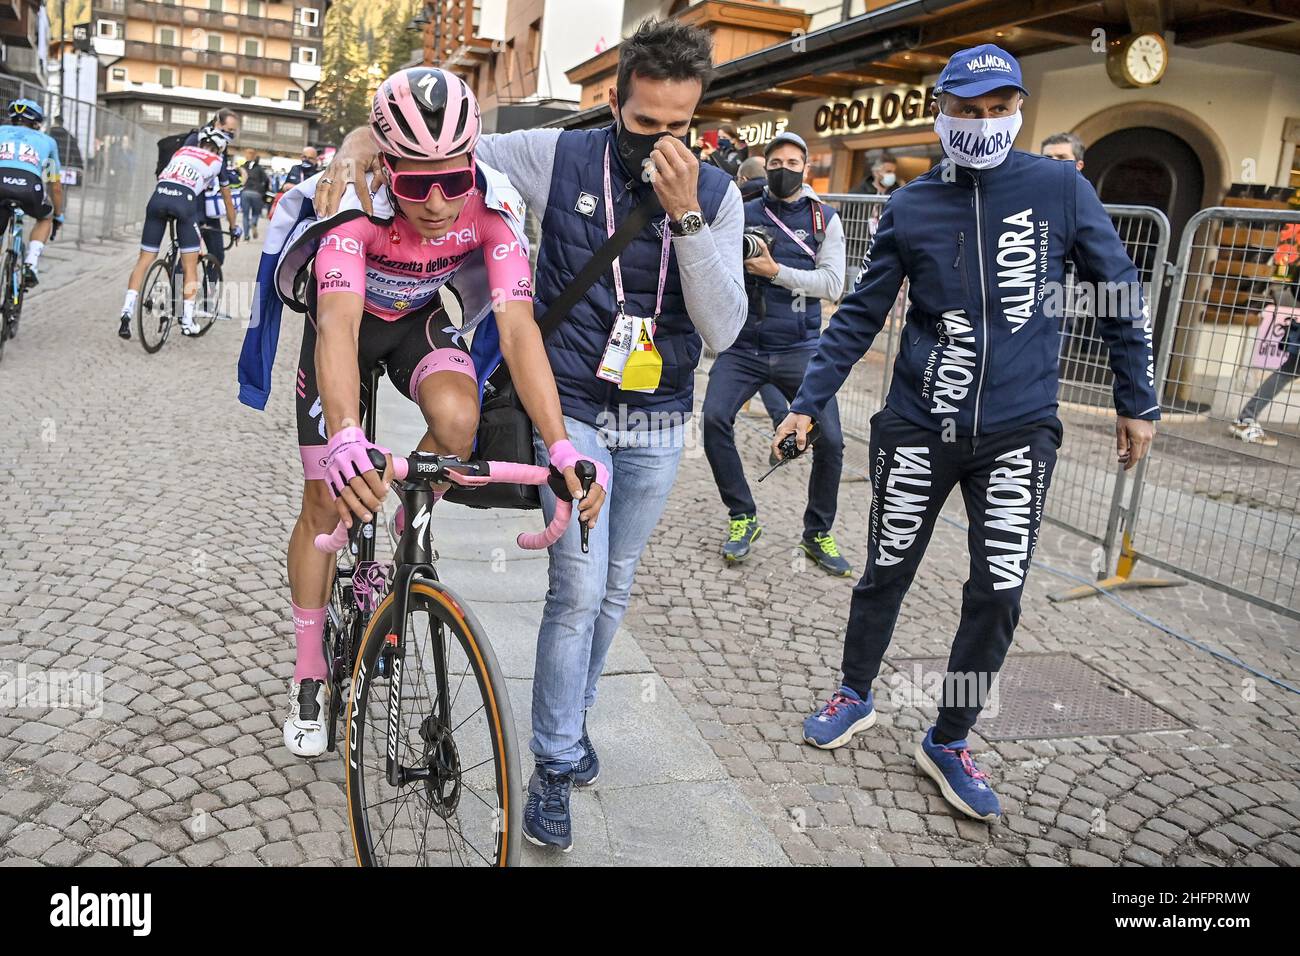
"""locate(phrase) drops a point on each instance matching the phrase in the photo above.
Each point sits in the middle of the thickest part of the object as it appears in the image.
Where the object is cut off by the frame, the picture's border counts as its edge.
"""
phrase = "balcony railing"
(210, 19)
(160, 53)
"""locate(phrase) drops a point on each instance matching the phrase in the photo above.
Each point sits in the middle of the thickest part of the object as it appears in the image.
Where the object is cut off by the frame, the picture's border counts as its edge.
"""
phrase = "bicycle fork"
(414, 561)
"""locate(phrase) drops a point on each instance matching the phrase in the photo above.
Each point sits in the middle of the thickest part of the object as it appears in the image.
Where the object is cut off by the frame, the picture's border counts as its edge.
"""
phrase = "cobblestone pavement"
(144, 521)
(750, 651)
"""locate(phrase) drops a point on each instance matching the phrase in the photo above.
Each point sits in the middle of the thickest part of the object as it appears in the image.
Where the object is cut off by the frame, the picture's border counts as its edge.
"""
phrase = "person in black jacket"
(731, 152)
(983, 239)
(751, 177)
(69, 151)
(256, 184)
(304, 170)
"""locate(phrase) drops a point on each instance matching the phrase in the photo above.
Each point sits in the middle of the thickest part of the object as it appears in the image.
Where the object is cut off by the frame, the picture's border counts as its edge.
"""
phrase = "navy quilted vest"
(775, 323)
(573, 228)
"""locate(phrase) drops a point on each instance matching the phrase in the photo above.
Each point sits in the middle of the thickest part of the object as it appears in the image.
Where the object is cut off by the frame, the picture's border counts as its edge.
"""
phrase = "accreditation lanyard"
(618, 272)
(786, 229)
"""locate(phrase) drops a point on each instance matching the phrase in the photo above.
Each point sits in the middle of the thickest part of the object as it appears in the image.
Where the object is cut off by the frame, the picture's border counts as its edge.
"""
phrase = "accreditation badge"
(644, 366)
(617, 349)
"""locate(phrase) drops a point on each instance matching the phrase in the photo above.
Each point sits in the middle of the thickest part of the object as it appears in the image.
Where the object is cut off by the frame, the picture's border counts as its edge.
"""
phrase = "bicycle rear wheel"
(15, 290)
(457, 739)
(8, 313)
(153, 307)
(210, 286)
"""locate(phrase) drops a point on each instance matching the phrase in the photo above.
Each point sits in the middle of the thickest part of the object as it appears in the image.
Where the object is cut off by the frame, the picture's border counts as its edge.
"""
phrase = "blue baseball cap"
(979, 70)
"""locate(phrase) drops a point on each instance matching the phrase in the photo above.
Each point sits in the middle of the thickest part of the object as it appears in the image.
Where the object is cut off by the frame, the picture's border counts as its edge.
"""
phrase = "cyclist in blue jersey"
(29, 175)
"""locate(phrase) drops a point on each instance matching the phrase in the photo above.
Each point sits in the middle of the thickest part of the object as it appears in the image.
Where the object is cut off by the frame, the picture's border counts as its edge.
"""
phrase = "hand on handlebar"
(564, 457)
(356, 487)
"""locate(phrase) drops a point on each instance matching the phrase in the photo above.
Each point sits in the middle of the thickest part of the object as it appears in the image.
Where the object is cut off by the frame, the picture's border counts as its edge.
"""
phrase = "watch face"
(691, 223)
(1145, 59)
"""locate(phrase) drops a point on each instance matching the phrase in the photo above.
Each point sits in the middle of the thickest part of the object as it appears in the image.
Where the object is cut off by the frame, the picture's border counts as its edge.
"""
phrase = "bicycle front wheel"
(153, 307)
(210, 285)
(458, 802)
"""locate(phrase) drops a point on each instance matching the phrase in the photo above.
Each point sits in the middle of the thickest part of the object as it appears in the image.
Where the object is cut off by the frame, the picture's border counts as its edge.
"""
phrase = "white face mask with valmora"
(977, 143)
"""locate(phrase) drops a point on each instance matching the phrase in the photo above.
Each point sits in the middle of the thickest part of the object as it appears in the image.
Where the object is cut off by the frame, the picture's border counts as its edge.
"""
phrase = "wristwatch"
(688, 225)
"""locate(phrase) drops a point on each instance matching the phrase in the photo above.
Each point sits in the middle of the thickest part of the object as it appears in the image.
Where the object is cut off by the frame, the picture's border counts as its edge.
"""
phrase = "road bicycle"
(431, 762)
(162, 294)
(12, 287)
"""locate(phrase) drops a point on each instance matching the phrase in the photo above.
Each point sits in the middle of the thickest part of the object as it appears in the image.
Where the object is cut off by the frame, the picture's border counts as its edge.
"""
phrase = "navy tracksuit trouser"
(1004, 478)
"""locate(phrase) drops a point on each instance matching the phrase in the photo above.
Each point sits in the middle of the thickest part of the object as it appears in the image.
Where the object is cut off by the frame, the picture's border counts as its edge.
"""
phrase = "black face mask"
(635, 148)
(784, 183)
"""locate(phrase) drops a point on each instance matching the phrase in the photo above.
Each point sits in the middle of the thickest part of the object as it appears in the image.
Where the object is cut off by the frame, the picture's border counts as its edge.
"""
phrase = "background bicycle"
(12, 249)
(162, 297)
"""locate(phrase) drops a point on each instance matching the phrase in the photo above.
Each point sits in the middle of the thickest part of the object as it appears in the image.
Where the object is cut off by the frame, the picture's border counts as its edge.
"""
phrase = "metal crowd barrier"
(867, 385)
(1206, 505)
(108, 162)
(1087, 486)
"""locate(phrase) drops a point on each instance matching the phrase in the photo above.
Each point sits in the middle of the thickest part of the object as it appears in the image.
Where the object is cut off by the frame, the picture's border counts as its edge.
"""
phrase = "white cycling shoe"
(304, 730)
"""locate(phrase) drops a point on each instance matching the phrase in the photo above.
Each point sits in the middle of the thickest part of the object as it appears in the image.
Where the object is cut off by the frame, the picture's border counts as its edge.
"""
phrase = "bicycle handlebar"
(440, 468)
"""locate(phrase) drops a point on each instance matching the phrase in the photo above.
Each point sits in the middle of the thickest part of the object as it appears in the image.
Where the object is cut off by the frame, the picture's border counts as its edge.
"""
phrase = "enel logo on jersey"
(343, 244)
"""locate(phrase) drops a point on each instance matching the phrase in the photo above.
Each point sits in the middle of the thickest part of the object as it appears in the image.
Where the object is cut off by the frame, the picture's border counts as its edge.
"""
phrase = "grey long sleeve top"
(826, 280)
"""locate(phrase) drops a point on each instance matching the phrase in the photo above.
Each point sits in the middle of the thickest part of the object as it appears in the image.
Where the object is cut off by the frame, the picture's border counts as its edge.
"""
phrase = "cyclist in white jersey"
(191, 171)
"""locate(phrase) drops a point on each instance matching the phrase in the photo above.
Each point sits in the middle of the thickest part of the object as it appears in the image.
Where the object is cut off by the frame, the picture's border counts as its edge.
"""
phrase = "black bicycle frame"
(16, 249)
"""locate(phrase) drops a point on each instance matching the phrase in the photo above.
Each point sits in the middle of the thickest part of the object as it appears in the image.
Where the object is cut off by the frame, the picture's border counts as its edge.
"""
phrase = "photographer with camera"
(794, 258)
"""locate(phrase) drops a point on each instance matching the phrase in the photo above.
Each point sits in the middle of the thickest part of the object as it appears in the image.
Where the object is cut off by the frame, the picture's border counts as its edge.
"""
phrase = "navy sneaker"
(546, 817)
(741, 533)
(844, 715)
(587, 770)
(962, 783)
(823, 549)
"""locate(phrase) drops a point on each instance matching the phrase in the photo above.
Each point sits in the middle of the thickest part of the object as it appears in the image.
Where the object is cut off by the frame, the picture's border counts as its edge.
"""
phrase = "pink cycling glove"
(564, 455)
(346, 458)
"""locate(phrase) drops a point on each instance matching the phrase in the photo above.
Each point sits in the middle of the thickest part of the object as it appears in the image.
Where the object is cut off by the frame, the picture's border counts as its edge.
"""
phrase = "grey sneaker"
(742, 533)
(1248, 430)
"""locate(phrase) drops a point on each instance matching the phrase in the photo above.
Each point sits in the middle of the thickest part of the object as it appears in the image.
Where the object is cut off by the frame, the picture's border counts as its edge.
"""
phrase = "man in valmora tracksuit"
(983, 238)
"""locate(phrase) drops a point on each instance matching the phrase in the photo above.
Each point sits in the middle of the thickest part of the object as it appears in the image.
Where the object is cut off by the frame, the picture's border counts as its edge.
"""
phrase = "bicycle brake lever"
(586, 472)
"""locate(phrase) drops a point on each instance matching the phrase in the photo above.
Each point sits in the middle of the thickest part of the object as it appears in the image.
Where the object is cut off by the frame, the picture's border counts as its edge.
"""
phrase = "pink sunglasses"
(416, 187)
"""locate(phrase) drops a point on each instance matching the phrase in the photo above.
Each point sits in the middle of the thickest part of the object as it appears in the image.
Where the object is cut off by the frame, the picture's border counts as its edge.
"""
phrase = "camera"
(750, 241)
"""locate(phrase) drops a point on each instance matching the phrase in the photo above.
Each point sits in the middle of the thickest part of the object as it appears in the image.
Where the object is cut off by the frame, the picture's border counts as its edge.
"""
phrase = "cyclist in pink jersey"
(398, 270)
(377, 302)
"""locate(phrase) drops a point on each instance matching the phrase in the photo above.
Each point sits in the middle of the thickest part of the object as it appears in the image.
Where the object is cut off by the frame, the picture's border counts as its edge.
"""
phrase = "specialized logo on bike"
(370, 584)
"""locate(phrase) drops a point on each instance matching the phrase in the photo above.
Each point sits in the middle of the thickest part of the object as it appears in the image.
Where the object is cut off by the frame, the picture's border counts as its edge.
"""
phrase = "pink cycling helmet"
(424, 113)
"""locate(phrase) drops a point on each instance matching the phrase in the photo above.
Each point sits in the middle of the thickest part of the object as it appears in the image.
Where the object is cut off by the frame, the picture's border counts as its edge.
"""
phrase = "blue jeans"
(588, 593)
(735, 377)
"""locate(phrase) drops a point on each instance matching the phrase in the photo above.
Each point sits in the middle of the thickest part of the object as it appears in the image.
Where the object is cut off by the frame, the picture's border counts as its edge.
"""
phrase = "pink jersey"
(398, 271)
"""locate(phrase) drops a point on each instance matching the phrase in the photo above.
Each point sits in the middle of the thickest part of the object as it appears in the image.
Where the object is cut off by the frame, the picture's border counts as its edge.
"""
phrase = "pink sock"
(308, 628)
